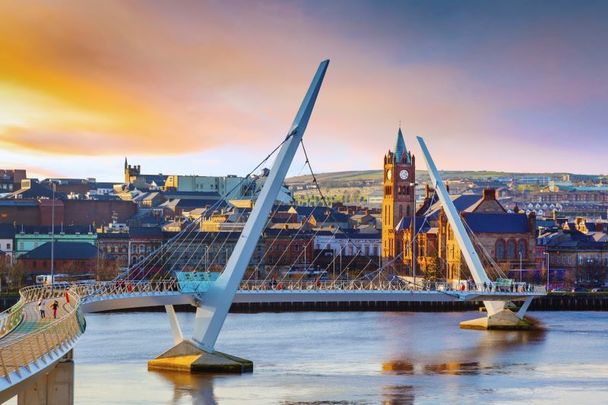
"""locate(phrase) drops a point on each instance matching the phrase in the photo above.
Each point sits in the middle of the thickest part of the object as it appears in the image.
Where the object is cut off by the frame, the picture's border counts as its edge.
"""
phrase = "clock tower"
(399, 198)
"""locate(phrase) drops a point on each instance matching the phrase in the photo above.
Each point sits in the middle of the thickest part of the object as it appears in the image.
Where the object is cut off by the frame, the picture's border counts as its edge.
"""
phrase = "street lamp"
(414, 235)
(52, 237)
(520, 267)
(548, 269)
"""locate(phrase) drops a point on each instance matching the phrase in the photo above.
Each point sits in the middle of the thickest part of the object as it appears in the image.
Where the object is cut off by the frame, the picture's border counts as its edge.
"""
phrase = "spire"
(400, 146)
(125, 162)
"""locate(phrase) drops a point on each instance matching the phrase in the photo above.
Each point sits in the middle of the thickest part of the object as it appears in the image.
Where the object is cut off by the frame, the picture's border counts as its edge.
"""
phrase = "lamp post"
(548, 269)
(520, 267)
(414, 235)
(52, 237)
(206, 256)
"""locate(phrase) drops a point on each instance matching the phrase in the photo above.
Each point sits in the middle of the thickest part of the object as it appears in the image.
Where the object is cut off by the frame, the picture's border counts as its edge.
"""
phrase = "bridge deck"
(32, 321)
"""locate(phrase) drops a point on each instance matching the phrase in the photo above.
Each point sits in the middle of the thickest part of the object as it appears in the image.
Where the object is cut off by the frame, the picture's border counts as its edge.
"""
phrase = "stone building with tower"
(399, 196)
(505, 238)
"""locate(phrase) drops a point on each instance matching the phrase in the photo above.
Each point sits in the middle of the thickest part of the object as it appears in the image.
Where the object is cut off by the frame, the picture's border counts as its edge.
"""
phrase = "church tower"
(399, 198)
(131, 172)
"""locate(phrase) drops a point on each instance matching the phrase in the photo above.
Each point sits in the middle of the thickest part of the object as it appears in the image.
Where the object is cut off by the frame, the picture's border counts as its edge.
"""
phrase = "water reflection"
(477, 360)
(195, 388)
(398, 394)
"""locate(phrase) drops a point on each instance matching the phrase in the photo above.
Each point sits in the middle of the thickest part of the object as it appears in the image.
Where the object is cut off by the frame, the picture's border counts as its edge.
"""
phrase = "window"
(511, 249)
(500, 249)
(522, 248)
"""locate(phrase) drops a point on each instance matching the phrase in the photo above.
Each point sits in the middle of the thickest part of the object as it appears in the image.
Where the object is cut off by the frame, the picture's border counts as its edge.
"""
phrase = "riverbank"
(551, 302)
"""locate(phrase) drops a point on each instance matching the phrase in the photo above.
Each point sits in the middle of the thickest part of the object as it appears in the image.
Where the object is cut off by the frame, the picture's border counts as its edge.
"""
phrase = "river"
(358, 357)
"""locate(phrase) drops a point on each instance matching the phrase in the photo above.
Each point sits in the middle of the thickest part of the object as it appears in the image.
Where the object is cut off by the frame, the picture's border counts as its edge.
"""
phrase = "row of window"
(511, 249)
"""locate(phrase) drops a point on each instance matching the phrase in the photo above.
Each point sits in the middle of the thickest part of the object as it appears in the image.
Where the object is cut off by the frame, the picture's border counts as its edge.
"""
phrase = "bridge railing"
(353, 285)
(11, 317)
(19, 353)
(104, 289)
(396, 285)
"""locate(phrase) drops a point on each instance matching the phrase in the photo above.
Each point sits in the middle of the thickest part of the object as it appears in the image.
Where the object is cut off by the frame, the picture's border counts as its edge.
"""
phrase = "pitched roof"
(461, 202)
(63, 251)
(422, 224)
(146, 232)
(36, 190)
(7, 231)
(321, 214)
(496, 223)
(18, 203)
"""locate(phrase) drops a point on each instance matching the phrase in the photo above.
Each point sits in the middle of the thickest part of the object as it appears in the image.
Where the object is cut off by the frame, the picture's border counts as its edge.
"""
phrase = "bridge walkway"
(32, 321)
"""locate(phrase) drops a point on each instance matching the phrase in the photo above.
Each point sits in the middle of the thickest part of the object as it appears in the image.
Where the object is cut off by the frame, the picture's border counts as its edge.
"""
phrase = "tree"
(16, 275)
(432, 272)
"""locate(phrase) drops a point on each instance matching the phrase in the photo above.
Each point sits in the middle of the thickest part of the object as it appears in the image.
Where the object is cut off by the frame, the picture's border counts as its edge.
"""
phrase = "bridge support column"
(187, 356)
(54, 387)
(199, 354)
(176, 330)
(503, 320)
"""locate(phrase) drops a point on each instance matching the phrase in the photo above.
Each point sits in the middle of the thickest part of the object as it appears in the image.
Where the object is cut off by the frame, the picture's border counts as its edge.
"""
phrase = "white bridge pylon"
(212, 312)
(462, 237)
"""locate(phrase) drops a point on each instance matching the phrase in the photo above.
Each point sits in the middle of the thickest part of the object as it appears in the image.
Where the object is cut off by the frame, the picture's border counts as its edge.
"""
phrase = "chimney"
(489, 194)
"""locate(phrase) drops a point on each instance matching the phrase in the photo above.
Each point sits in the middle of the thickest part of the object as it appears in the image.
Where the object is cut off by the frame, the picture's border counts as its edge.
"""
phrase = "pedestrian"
(41, 308)
(55, 305)
(485, 286)
(67, 296)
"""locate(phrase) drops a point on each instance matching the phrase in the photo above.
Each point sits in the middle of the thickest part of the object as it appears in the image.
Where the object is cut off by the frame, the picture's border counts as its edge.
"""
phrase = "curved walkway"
(36, 344)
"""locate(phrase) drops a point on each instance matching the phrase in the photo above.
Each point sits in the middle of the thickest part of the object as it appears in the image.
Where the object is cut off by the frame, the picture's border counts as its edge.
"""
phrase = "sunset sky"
(211, 87)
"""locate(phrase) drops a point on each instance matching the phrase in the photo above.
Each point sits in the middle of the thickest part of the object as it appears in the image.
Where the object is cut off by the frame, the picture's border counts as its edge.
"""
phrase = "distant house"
(7, 239)
(74, 258)
(28, 238)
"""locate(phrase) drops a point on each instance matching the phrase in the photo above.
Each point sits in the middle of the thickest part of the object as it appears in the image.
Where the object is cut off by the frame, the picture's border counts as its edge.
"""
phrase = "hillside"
(342, 179)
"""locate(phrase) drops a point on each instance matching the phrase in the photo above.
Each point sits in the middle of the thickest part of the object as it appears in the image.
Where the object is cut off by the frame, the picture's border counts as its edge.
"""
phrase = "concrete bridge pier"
(187, 356)
(54, 387)
(502, 319)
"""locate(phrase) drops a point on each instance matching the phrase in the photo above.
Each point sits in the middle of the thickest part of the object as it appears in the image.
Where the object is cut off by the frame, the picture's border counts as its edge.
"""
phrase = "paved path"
(32, 320)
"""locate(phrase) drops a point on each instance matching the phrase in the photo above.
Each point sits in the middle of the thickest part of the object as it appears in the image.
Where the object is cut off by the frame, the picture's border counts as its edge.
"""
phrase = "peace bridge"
(36, 353)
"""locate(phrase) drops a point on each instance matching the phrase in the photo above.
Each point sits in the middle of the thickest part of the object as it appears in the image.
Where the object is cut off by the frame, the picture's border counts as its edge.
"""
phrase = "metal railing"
(11, 317)
(107, 289)
(104, 290)
(20, 352)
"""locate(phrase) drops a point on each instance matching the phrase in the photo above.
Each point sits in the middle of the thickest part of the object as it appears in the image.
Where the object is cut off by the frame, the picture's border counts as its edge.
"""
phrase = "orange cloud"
(116, 78)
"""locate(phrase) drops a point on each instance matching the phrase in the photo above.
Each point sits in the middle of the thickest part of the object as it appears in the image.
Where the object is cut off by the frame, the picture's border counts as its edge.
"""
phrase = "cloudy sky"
(210, 87)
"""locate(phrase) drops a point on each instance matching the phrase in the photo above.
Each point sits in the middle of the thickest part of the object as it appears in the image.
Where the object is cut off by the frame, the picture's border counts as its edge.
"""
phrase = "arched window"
(522, 248)
(500, 249)
(511, 249)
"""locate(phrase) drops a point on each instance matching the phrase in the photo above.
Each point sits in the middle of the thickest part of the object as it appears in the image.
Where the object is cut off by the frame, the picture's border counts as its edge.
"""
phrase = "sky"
(210, 87)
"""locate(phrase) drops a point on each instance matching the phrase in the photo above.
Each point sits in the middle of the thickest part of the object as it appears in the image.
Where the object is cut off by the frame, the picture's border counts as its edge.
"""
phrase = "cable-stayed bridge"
(33, 349)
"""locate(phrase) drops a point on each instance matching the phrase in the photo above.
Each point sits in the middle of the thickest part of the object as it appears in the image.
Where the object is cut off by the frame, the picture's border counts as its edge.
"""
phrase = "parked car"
(579, 290)
(558, 289)
(599, 289)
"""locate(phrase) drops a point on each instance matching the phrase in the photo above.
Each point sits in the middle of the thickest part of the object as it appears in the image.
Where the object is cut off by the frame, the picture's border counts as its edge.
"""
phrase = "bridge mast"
(462, 237)
(210, 316)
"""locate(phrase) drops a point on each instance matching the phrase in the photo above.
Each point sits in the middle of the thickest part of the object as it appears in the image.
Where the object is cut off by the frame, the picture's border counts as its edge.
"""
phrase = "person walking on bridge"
(41, 308)
(55, 305)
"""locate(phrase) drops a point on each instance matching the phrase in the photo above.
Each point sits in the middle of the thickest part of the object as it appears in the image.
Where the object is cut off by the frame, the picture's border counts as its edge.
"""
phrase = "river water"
(352, 357)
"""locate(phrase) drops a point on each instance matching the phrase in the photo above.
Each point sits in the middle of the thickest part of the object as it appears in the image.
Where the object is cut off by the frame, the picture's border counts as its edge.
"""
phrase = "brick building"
(77, 258)
(498, 236)
(399, 196)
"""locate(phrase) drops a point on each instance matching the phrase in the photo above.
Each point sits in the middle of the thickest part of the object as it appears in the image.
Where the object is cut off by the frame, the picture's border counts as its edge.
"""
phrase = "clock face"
(403, 174)
(389, 174)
